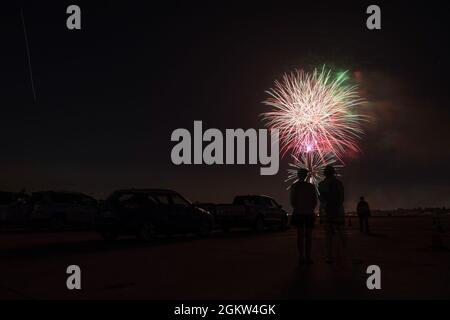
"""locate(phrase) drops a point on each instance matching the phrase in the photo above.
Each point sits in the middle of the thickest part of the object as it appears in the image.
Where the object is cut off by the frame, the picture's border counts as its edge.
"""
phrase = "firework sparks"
(315, 112)
(315, 163)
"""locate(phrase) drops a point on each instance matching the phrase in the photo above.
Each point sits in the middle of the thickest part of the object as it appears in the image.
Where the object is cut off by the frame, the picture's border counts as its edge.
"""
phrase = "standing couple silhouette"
(304, 201)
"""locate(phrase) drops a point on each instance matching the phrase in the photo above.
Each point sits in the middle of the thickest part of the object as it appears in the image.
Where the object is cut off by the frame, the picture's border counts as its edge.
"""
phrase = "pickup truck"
(249, 211)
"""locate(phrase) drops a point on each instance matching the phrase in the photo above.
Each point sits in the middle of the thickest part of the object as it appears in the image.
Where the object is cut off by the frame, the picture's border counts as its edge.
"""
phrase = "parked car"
(58, 210)
(15, 208)
(148, 212)
(254, 211)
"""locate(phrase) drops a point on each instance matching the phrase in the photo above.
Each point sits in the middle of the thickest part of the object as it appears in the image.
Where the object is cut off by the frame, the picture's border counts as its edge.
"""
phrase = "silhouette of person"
(363, 211)
(331, 196)
(303, 200)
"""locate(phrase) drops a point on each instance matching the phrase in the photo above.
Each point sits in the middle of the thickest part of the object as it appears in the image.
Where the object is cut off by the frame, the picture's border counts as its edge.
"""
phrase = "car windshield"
(134, 200)
(239, 201)
(179, 200)
(244, 201)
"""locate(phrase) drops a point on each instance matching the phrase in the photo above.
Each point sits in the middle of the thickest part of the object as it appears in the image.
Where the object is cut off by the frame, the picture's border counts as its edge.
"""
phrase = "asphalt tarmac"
(236, 265)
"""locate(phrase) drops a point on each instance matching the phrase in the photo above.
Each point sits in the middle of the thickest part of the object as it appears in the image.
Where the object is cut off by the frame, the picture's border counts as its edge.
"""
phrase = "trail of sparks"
(315, 112)
(314, 163)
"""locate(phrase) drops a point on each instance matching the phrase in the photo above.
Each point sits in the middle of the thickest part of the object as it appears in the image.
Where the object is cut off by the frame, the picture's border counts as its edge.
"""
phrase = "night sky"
(110, 95)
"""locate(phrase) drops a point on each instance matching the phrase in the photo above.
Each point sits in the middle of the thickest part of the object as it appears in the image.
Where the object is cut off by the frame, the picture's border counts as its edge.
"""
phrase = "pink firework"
(315, 112)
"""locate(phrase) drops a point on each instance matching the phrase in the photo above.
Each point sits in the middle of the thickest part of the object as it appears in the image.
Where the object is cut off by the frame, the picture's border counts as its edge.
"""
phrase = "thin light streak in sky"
(28, 54)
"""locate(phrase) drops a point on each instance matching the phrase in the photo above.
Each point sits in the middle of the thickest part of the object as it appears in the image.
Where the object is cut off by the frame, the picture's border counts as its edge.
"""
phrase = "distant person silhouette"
(331, 195)
(303, 201)
(363, 211)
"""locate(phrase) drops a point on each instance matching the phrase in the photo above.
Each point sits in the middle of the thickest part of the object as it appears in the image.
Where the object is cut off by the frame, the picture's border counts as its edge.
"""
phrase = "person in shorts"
(303, 200)
(332, 213)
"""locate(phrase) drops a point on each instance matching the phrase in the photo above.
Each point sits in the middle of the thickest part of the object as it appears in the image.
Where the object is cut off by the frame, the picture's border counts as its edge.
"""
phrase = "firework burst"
(314, 163)
(315, 112)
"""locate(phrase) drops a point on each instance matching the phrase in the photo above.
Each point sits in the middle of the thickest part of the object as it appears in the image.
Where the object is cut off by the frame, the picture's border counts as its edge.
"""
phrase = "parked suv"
(58, 210)
(147, 212)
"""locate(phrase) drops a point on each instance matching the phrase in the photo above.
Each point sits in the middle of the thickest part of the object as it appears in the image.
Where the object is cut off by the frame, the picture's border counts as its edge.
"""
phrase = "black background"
(110, 95)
